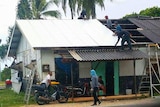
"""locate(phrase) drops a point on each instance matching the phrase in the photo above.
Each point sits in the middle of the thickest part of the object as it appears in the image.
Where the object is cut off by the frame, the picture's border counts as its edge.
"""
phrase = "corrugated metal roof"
(61, 33)
(149, 28)
(66, 33)
(106, 54)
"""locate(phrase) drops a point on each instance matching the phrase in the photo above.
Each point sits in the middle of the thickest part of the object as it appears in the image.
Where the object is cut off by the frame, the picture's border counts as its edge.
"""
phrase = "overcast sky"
(115, 10)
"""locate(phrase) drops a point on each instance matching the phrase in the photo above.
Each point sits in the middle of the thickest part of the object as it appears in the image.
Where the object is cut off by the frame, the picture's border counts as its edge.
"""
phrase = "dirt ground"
(88, 104)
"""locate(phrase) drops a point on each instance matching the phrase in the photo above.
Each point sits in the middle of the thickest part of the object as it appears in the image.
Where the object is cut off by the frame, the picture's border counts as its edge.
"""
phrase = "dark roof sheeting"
(149, 28)
(106, 54)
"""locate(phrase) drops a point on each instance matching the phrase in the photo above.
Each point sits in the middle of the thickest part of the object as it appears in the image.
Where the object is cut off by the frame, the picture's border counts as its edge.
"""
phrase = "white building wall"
(140, 67)
(84, 69)
(21, 49)
(47, 57)
(126, 68)
(25, 53)
(39, 64)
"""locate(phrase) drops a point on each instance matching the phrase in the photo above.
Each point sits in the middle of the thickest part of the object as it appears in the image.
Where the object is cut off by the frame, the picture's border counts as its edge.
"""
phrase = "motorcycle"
(53, 93)
(77, 91)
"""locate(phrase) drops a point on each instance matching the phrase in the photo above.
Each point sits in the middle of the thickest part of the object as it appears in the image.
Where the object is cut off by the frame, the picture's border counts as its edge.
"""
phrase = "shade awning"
(106, 54)
(17, 66)
(31, 65)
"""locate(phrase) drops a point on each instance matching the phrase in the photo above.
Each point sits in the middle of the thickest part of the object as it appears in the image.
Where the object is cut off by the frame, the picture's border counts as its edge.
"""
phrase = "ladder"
(154, 69)
(144, 86)
(29, 82)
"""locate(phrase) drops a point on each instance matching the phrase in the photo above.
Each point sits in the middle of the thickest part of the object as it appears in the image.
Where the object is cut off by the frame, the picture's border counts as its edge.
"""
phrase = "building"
(70, 48)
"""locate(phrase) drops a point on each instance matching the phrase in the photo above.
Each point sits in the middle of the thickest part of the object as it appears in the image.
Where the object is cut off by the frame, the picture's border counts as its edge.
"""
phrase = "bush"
(6, 74)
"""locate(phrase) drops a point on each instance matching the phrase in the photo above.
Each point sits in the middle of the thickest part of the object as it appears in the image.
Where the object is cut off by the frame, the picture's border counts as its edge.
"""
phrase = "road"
(146, 102)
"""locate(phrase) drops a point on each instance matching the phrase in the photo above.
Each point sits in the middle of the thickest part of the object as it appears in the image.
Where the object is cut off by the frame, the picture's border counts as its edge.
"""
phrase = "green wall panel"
(116, 78)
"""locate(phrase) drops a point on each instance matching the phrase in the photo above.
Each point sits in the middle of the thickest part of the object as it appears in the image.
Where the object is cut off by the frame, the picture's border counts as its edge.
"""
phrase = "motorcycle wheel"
(38, 101)
(63, 98)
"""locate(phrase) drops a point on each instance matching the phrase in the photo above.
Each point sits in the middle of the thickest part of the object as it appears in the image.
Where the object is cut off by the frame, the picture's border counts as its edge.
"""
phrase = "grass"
(8, 98)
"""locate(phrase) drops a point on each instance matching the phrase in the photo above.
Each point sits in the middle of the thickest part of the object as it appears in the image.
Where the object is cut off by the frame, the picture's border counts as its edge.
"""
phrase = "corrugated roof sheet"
(106, 54)
(66, 33)
(150, 28)
(61, 33)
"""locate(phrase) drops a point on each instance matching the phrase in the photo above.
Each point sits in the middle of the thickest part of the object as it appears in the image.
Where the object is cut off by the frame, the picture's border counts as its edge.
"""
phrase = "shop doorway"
(109, 78)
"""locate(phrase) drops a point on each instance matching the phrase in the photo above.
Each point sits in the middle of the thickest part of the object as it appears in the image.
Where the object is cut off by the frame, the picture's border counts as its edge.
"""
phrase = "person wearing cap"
(108, 22)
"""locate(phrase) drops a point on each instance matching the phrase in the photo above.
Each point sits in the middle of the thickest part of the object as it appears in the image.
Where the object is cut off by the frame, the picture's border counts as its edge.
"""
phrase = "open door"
(109, 78)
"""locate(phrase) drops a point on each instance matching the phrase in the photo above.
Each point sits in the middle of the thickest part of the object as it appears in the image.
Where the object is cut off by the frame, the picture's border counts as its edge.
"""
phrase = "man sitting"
(101, 85)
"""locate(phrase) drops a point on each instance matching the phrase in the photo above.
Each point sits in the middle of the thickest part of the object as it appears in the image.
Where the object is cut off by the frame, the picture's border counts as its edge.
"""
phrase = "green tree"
(39, 8)
(6, 74)
(72, 5)
(3, 50)
(35, 9)
(88, 5)
(131, 15)
(24, 10)
(4, 47)
(153, 12)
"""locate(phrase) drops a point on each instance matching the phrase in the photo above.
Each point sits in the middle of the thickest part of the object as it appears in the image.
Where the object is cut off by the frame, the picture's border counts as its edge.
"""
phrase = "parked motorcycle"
(53, 93)
(82, 89)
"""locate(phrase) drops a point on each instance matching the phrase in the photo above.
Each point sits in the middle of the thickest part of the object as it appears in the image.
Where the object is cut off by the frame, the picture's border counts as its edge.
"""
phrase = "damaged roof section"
(106, 54)
(149, 28)
(132, 27)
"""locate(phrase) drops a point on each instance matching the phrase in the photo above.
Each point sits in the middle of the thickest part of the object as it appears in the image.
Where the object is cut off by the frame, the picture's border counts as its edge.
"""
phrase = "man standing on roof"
(125, 36)
(108, 22)
(83, 14)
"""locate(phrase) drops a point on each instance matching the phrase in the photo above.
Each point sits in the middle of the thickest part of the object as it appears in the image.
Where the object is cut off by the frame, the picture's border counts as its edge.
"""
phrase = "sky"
(115, 10)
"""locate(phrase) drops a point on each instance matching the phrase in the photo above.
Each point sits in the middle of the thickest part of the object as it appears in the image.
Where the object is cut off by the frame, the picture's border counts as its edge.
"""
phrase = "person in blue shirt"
(94, 86)
(125, 36)
(117, 27)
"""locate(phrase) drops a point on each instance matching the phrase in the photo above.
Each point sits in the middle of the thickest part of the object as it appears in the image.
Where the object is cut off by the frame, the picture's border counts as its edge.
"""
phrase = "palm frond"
(64, 2)
(53, 13)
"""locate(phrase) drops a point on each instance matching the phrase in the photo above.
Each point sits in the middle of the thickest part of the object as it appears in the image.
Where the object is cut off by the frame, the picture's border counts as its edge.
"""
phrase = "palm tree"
(90, 6)
(39, 8)
(34, 9)
(24, 10)
(72, 5)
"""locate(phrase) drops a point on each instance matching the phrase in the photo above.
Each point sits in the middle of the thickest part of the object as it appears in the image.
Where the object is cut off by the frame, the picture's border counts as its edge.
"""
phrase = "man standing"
(94, 86)
(125, 36)
(108, 22)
